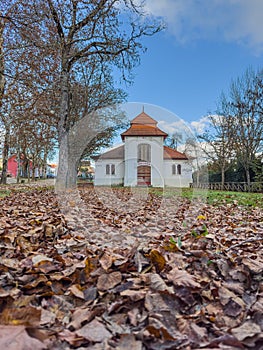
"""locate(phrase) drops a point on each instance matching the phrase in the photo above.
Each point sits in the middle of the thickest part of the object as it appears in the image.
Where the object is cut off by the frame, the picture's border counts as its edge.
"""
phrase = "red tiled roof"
(143, 130)
(171, 153)
(144, 119)
(116, 153)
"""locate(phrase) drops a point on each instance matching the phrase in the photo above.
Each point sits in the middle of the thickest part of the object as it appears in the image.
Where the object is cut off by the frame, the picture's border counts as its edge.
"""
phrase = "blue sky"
(206, 44)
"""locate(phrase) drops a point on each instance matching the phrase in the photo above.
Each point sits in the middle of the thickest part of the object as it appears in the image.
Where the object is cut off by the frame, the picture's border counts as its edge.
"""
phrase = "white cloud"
(177, 127)
(237, 21)
(187, 130)
(200, 125)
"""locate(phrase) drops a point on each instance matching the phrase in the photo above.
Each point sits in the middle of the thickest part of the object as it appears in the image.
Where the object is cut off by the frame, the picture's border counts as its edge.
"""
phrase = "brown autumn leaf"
(247, 330)
(158, 284)
(94, 331)
(233, 305)
(47, 317)
(109, 281)
(17, 338)
(75, 289)
(134, 295)
(182, 278)
(227, 339)
(157, 259)
(254, 265)
(28, 315)
(69, 337)
(83, 315)
(128, 341)
(38, 259)
(106, 261)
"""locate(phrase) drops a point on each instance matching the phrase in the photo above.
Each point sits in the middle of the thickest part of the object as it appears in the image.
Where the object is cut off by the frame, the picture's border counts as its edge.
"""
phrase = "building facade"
(142, 159)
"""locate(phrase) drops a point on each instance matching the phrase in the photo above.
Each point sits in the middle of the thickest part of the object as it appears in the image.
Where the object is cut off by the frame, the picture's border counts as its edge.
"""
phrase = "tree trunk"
(2, 62)
(27, 171)
(18, 166)
(62, 180)
(44, 168)
(67, 167)
(5, 155)
(248, 179)
(2, 89)
(72, 141)
(222, 177)
(33, 171)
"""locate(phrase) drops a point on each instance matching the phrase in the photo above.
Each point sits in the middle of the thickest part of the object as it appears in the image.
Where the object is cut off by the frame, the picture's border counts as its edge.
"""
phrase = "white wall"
(101, 178)
(130, 151)
(182, 180)
(161, 170)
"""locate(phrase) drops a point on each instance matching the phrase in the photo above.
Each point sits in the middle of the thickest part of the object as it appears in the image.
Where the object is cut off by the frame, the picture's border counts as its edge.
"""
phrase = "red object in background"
(12, 166)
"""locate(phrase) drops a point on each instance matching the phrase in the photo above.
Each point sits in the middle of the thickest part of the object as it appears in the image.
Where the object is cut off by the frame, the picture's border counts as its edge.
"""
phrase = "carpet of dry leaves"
(168, 275)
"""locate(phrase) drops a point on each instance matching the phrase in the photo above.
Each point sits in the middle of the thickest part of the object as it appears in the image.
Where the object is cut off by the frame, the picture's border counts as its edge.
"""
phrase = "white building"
(143, 159)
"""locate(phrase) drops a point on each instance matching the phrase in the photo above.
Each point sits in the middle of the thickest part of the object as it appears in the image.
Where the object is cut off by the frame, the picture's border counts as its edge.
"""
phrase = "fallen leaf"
(106, 261)
(76, 291)
(254, 265)
(182, 278)
(40, 258)
(128, 341)
(247, 330)
(94, 331)
(157, 260)
(28, 315)
(109, 281)
(158, 284)
(17, 338)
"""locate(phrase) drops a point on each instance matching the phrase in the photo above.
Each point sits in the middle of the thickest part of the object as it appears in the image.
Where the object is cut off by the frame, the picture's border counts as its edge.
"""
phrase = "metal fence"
(230, 186)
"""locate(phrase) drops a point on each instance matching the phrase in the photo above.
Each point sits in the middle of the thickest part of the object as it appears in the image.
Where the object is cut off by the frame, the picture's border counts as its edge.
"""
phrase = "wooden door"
(144, 175)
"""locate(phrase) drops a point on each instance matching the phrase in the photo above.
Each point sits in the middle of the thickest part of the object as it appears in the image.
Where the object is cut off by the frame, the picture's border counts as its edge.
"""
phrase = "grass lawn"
(4, 193)
(213, 197)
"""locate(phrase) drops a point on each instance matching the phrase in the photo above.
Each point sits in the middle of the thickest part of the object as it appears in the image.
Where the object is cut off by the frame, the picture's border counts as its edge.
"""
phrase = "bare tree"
(79, 34)
(174, 140)
(88, 30)
(218, 140)
(23, 77)
(196, 158)
(4, 121)
(245, 102)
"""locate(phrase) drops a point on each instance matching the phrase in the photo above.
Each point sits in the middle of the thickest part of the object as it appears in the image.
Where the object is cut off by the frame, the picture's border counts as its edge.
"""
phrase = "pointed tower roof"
(143, 125)
(144, 119)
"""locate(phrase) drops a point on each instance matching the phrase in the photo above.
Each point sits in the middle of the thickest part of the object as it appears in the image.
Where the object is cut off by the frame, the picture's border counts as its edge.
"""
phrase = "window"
(107, 169)
(176, 170)
(110, 169)
(144, 152)
(179, 169)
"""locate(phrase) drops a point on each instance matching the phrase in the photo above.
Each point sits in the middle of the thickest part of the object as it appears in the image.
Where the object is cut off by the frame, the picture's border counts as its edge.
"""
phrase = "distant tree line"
(233, 141)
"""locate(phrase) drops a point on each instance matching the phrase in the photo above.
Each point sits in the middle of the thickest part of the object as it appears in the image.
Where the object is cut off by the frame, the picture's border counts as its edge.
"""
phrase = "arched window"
(144, 152)
(107, 169)
(110, 169)
(173, 169)
(179, 169)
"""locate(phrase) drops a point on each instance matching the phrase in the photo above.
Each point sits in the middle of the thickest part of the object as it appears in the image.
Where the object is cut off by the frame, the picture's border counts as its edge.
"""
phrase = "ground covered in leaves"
(118, 269)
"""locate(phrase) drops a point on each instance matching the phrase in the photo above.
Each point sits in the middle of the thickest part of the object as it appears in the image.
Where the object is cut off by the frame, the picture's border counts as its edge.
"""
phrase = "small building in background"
(142, 159)
(26, 168)
(86, 170)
